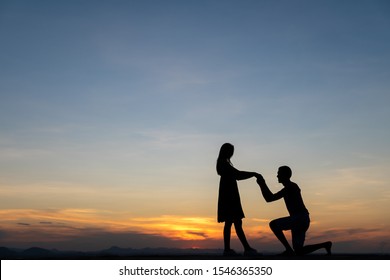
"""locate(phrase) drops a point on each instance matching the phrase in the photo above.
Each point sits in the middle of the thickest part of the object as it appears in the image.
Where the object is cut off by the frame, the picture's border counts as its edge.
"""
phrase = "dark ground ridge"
(116, 253)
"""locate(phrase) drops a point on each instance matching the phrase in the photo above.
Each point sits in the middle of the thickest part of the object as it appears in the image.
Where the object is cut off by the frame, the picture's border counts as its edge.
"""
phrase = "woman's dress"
(229, 203)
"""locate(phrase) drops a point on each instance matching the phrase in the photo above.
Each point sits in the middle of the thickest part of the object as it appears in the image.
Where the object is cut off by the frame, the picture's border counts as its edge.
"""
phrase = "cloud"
(364, 235)
(201, 234)
(94, 239)
(3, 233)
(21, 153)
(361, 246)
(90, 229)
(70, 223)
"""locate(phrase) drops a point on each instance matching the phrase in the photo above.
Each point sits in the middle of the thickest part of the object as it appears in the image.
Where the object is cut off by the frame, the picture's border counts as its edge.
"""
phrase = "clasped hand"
(259, 179)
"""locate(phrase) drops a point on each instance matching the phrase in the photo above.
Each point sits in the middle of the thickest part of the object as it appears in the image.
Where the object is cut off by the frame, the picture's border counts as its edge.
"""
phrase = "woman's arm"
(243, 175)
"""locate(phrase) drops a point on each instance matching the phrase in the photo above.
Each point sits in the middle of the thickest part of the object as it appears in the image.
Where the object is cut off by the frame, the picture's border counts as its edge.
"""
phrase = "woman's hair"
(225, 153)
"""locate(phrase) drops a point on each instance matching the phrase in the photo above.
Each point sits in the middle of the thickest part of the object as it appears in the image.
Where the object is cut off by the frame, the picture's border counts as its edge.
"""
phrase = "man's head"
(284, 174)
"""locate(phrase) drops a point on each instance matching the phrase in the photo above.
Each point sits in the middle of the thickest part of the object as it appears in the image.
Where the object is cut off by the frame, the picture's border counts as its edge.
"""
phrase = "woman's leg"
(226, 234)
(241, 235)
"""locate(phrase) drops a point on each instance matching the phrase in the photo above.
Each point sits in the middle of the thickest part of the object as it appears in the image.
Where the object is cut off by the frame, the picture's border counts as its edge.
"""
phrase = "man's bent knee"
(274, 225)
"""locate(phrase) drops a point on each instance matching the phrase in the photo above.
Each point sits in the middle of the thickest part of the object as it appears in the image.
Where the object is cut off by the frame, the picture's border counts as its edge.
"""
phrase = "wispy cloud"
(177, 227)
(70, 226)
(20, 153)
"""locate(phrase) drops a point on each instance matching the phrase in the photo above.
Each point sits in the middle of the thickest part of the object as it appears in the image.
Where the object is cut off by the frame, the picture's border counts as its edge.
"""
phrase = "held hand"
(260, 180)
(258, 175)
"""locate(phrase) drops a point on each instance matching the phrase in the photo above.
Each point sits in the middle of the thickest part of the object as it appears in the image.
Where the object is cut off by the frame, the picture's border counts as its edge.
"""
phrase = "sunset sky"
(112, 114)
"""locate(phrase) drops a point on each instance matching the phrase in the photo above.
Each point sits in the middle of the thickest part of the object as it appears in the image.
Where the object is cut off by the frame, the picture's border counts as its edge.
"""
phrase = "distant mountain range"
(113, 252)
(159, 253)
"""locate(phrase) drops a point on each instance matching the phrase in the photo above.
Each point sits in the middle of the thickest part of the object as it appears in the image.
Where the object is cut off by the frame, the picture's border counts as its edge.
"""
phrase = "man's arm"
(267, 194)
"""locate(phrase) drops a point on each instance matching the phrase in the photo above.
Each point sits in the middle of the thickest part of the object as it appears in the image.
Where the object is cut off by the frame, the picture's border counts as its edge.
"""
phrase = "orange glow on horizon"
(67, 224)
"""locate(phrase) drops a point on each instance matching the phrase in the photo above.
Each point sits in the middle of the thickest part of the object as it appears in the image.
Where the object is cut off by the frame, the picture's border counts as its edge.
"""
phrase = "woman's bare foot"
(230, 253)
(287, 253)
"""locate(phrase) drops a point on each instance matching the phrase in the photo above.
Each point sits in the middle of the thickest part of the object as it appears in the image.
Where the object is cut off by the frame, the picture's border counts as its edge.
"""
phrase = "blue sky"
(124, 99)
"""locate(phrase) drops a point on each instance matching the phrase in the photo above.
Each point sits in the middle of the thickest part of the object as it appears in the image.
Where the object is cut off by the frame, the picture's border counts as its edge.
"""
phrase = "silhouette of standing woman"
(229, 204)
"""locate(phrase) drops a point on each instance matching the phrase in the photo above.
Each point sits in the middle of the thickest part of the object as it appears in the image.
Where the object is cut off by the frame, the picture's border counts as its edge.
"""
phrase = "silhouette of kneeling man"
(298, 221)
